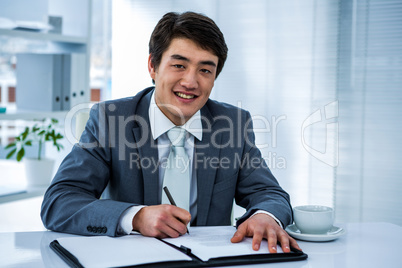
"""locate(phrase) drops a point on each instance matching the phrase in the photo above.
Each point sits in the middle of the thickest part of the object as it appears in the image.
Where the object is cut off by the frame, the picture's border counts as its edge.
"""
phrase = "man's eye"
(206, 71)
(178, 66)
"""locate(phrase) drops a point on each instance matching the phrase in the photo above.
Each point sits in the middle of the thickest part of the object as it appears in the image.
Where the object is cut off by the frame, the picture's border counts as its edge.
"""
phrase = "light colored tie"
(177, 175)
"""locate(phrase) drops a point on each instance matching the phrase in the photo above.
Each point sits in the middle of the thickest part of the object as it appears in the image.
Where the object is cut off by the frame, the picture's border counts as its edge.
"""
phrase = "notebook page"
(104, 251)
(214, 241)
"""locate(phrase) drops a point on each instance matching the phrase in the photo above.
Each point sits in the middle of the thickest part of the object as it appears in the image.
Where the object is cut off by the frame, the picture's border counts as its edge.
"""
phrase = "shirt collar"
(161, 124)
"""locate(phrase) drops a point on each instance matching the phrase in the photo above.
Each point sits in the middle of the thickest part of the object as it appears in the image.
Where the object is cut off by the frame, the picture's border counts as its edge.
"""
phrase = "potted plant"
(38, 170)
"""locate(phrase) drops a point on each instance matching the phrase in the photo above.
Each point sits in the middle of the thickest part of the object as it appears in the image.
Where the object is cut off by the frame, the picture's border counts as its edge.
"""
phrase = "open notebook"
(204, 246)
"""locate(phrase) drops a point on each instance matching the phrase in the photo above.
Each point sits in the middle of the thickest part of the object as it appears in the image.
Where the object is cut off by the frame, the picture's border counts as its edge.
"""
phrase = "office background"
(322, 80)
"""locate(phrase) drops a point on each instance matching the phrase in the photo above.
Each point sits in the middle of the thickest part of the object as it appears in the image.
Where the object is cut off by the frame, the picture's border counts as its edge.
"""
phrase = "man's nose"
(189, 80)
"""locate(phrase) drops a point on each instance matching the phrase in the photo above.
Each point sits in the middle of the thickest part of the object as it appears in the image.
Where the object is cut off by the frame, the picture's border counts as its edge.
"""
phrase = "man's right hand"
(161, 221)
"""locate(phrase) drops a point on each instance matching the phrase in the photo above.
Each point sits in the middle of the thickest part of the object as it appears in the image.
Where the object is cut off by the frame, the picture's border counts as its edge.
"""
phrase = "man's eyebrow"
(180, 57)
(208, 62)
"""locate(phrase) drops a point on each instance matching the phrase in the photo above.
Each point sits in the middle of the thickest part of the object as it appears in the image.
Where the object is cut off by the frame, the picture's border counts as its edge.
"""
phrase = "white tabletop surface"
(364, 245)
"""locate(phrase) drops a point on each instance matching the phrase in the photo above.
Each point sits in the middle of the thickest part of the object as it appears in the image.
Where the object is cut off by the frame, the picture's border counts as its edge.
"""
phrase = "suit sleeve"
(257, 188)
(73, 203)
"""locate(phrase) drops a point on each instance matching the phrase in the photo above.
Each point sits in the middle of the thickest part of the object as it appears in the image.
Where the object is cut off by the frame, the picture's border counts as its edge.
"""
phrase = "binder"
(75, 84)
(163, 252)
(39, 82)
(51, 82)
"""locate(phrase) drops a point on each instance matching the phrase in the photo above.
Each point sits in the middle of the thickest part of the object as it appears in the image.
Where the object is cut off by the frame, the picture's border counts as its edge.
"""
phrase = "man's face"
(183, 79)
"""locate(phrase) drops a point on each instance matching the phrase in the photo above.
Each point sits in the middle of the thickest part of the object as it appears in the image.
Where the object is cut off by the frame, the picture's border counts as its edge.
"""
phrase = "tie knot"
(177, 136)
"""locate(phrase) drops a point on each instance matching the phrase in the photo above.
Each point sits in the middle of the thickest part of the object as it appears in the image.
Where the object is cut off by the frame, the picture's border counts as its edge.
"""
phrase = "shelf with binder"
(47, 83)
(51, 82)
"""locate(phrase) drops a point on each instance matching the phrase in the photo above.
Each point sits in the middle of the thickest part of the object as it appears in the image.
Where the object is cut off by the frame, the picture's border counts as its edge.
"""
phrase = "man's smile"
(184, 96)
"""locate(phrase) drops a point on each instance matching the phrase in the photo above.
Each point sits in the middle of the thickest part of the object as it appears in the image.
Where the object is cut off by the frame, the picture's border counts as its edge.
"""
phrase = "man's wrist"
(126, 220)
(260, 211)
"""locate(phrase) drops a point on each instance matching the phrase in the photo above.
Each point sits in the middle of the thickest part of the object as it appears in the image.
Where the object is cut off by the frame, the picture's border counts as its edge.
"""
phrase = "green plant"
(40, 133)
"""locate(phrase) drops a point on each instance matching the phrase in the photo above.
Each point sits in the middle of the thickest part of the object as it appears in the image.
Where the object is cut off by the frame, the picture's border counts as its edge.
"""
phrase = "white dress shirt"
(160, 124)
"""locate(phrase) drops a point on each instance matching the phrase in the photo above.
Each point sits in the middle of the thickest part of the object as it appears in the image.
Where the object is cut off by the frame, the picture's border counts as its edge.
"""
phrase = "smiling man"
(111, 182)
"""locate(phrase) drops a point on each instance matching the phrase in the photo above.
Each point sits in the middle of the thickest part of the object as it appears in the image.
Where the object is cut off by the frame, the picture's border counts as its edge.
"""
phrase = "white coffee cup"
(313, 219)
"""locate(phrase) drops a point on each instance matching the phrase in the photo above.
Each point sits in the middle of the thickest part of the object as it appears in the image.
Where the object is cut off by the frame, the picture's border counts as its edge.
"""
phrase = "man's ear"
(151, 68)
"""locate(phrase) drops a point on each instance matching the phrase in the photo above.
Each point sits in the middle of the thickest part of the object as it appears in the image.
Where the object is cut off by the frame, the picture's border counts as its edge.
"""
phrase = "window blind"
(370, 89)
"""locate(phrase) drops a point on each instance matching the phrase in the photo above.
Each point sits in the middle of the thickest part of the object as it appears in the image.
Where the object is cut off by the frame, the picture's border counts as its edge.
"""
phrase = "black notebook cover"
(294, 255)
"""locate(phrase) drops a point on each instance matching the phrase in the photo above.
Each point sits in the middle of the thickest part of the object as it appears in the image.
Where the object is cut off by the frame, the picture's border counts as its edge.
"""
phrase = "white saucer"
(333, 234)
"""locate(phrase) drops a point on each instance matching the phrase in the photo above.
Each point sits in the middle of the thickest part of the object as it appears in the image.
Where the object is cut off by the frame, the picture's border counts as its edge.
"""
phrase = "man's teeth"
(184, 96)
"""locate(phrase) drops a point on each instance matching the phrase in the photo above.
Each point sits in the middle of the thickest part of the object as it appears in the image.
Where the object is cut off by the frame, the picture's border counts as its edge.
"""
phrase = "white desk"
(364, 245)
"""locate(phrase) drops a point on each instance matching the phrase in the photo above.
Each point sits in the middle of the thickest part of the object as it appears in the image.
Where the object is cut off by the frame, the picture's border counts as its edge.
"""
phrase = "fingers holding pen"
(161, 221)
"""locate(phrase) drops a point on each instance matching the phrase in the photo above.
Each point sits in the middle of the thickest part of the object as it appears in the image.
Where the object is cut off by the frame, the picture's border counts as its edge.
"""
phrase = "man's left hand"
(262, 226)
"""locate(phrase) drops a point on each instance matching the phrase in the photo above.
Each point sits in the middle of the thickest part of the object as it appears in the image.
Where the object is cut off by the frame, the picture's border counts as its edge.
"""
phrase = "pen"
(171, 200)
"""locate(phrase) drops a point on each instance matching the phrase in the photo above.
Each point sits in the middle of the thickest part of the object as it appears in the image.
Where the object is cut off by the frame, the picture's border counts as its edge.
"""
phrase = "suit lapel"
(148, 152)
(204, 150)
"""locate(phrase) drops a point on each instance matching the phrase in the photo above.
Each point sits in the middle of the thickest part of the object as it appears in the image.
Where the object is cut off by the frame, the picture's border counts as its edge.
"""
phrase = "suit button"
(89, 228)
(104, 230)
(99, 230)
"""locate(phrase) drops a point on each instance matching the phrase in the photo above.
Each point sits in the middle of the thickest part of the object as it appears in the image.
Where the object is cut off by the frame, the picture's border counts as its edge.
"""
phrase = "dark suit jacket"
(117, 159)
